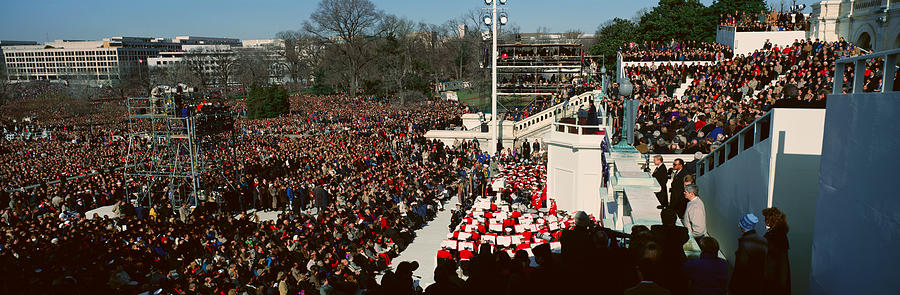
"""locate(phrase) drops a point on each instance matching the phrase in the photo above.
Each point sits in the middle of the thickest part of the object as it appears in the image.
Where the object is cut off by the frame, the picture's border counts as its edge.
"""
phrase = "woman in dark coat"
(778, 267)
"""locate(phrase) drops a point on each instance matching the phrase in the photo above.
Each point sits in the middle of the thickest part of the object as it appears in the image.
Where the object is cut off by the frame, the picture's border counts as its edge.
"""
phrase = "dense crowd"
(354, 180)
(674, 51)
(725, 96)
(763, 21)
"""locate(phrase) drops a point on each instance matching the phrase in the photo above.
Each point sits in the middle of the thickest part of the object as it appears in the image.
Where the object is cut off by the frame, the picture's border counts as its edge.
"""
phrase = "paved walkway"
(424, 248)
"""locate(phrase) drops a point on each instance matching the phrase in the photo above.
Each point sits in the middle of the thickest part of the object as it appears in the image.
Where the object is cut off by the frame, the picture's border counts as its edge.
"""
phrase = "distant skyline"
(96, 19)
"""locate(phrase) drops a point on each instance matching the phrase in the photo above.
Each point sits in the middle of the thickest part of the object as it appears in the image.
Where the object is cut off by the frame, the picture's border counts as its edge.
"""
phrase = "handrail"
(859, 68)
(579, 129)
(547, 114)
(868, 56)
(723, 153)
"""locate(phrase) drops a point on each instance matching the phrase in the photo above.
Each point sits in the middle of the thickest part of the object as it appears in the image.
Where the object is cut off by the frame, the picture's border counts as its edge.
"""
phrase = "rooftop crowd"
(763, 21)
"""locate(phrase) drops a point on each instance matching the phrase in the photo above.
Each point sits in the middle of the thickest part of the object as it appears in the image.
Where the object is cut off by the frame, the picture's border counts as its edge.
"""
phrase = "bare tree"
(133, 79)
(396, 51)
(224, 65)
(253, 67)
(542, 32)
(511, 33)
(352, 22)
(195, 63)
(302, 51)
(573, 35)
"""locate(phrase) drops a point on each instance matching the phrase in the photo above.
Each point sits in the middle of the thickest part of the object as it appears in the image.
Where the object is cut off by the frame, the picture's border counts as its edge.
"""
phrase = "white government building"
(92, 62)
(872, 24)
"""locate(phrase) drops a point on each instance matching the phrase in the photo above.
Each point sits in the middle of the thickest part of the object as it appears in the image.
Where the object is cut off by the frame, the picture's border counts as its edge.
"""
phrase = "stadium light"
(494, 21)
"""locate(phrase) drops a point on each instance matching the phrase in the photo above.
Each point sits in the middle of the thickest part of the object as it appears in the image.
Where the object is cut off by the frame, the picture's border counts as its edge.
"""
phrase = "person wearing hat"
(695, 213)
(749, 259)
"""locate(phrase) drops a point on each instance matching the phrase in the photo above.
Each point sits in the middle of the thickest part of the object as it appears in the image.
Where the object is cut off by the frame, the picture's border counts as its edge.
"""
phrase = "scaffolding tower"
(163, 151)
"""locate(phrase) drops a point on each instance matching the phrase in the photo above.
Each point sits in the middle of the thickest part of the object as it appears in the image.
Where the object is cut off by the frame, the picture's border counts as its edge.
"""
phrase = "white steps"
(679, 92)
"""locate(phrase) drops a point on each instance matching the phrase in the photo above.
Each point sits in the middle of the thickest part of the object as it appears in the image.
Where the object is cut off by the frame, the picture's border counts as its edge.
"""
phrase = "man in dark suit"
(662, 176)
(677, 201)
(749, 259)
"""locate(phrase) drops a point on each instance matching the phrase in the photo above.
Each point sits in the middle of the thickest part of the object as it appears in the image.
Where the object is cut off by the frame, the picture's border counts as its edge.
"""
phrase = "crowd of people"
(725, 96)
(354, 179)
(771, 21)
(517, 114)
(674, 51)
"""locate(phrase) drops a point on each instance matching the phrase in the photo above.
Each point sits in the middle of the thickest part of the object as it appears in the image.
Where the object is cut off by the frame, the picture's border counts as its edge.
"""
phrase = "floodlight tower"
(494, 21)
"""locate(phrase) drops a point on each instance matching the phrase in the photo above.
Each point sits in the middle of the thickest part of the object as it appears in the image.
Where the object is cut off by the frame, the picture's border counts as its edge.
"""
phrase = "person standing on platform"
(749, 259)
(677, 200)
(661, 175)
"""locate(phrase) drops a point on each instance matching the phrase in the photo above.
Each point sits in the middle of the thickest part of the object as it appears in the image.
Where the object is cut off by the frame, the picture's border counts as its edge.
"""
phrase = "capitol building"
(872, 24)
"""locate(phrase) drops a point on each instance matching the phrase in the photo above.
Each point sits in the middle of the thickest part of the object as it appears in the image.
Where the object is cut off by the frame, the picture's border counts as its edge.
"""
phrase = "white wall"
(858, 212)
(747, 42)
(575, 171)
(780, 171)
(793, 186)
(736, 188)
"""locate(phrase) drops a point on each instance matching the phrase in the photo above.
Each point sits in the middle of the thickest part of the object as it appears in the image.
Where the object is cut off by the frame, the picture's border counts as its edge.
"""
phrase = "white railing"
(859, 70)
(579, 129)
(527, 125)
(759, 130)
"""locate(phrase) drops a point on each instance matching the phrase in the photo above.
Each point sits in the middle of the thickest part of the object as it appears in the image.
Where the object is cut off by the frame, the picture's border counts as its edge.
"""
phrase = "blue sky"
(261, 19)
